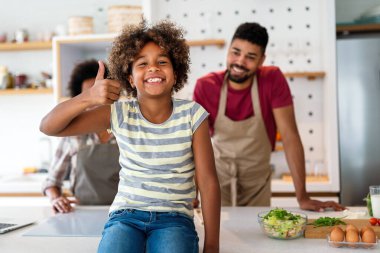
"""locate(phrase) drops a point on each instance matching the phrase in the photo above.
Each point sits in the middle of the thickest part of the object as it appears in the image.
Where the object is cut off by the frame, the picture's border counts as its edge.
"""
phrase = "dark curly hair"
(254, 33)
(134, 37)
(81, 72)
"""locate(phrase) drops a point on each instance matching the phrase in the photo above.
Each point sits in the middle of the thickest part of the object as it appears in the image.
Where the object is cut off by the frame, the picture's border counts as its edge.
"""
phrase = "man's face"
(243, 60)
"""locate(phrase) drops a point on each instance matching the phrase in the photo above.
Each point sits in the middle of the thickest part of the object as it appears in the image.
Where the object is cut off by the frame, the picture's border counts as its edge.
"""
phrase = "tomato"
(373, 221)
(378, 221)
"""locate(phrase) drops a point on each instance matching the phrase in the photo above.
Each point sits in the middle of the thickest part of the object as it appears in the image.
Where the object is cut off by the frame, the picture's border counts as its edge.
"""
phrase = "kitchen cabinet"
(70, 50)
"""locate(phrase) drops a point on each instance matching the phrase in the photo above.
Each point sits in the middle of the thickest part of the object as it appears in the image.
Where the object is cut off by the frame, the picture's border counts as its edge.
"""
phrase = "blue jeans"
(134, 231)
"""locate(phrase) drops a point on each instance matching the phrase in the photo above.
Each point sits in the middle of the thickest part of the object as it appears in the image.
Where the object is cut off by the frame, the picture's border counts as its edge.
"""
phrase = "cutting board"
(312, 232)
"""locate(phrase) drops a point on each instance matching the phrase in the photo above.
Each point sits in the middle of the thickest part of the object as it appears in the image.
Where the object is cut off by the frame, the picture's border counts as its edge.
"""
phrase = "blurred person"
(248, 103)
(90, 160)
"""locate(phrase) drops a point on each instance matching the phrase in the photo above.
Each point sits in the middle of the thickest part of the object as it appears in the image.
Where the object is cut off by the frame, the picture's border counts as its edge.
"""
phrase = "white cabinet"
(70, 50)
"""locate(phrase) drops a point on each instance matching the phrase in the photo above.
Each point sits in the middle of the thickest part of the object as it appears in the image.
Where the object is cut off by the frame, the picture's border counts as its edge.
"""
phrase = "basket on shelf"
(81, 25)
(121, 15)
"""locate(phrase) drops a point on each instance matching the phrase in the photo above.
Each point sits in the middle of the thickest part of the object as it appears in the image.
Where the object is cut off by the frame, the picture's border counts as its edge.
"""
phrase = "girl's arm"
(88, 112)
(208, 185)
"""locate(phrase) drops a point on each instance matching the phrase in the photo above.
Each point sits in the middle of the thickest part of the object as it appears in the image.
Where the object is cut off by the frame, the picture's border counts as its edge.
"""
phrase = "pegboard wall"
(295, 45)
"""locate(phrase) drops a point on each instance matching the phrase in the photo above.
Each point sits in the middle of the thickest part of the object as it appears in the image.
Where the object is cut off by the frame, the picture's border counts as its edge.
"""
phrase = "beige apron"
(97, 174)
(242, 153)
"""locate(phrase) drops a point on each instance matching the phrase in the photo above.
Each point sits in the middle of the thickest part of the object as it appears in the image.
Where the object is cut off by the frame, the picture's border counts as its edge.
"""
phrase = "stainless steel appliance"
(358, 64)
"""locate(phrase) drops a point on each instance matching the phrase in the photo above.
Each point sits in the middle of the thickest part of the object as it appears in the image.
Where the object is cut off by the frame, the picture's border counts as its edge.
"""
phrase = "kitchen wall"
(350, 10)
(21, 143)
(301, 39)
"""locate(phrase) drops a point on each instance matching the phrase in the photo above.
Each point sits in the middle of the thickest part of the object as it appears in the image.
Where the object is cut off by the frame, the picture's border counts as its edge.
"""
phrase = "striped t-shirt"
(157, 161)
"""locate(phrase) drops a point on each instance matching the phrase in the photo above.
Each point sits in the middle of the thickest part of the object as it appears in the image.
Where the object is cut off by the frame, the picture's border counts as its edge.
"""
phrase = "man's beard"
(237, 79)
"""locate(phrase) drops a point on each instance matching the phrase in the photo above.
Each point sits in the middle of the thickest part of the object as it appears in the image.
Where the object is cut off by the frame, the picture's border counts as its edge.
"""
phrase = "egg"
(337, 235)
(363, 229)
(352, 227)
(352, 237)
(369, 236)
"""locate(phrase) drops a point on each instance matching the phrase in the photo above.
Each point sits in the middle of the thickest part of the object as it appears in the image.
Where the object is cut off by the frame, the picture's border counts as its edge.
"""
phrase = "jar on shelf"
(3, 37)
(21, 36)
(20, 81)
(6, 80)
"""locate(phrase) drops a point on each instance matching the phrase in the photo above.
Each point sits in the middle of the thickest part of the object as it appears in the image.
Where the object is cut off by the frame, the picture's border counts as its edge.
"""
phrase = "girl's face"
(152, 72)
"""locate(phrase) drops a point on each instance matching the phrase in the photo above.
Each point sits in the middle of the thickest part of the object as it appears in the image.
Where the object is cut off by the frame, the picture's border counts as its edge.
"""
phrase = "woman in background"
(90, 160)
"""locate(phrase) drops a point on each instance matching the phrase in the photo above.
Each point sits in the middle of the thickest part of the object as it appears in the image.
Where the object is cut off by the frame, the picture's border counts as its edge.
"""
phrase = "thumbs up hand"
(104, 91)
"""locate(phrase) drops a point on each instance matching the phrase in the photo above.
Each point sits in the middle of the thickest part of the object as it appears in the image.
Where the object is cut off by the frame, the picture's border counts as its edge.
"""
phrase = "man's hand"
(319, 206)
(104, 91)
(62, 204)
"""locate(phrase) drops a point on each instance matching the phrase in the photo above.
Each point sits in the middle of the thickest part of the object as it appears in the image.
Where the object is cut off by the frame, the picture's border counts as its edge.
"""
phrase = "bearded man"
(248, 103)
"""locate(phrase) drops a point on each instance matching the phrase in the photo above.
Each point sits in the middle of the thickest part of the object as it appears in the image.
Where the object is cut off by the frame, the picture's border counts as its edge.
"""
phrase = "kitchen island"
(240, 232)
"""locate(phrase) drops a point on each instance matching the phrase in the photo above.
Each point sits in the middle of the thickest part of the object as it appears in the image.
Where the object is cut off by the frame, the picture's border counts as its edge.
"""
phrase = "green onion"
(327, 221)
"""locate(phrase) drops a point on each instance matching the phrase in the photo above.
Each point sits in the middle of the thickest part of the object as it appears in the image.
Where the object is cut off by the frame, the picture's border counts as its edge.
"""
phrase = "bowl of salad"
(279, 223)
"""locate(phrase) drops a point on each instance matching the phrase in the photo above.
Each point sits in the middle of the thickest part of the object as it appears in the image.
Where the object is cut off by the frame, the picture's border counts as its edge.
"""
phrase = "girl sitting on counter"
(164, 142)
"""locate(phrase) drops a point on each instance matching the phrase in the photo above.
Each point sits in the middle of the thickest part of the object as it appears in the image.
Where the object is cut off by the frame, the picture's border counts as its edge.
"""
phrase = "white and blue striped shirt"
(157, 163)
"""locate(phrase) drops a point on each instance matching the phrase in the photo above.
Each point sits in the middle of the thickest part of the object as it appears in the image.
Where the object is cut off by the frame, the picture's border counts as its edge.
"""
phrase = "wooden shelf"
(357, 28)
(26, 91)
(110, 38)
(308, 75)
(211, 42)
(48, 45)
(35, 45)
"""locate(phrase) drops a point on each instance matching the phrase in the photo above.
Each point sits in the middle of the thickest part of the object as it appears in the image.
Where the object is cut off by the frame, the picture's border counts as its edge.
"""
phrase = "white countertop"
(32, 183)
(24, 183)
(240, 232)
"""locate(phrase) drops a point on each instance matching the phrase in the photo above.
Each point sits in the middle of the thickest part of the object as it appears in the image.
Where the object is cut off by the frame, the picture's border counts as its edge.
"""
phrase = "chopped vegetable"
(279, 223)
(281, 214)
(327, 221)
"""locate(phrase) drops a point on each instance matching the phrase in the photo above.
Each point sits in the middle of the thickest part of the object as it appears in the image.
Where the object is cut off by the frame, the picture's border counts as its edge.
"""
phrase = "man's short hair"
(254, 33)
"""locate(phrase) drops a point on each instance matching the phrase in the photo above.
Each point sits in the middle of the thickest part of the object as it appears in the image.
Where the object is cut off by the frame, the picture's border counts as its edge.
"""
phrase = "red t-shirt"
(273, 89)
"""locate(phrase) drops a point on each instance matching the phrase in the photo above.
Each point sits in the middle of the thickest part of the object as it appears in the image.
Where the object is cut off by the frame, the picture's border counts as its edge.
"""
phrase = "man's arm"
(286, 124)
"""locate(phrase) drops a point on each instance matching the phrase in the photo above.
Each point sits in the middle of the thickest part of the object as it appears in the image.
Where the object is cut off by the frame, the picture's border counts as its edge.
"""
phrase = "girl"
(163, 143)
